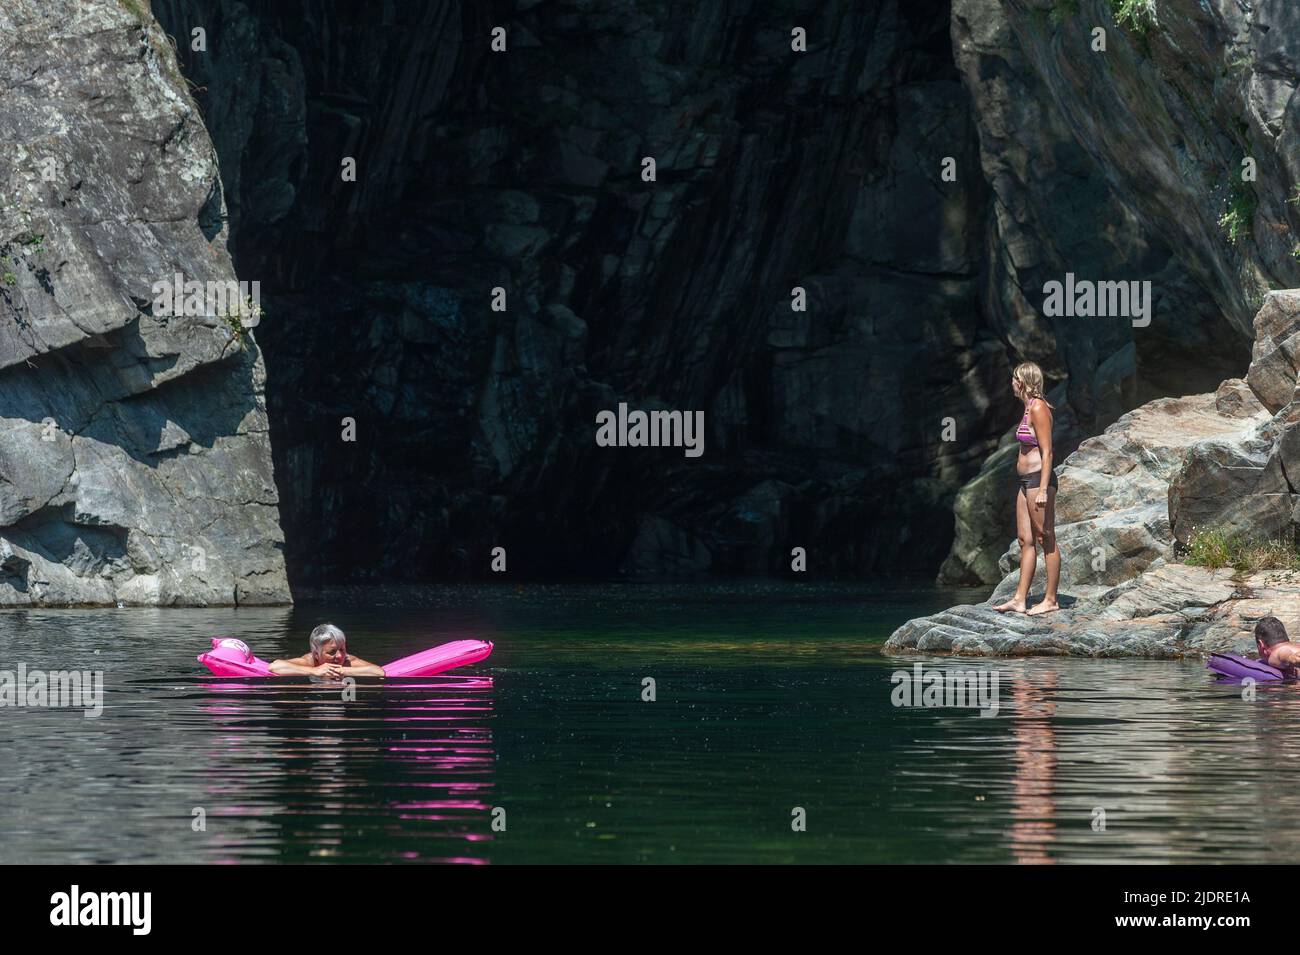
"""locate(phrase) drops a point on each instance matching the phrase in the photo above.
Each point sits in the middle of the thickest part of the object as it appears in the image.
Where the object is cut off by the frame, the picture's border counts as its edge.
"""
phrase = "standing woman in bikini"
(1035, 501)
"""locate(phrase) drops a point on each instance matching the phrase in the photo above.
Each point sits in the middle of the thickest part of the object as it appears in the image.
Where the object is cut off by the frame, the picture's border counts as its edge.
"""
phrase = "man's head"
(1269, 632)
(328, 644)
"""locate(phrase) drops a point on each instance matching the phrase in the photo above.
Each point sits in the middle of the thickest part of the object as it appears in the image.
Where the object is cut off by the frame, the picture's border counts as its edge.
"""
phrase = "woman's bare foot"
(1013, 604)
(1043, 606)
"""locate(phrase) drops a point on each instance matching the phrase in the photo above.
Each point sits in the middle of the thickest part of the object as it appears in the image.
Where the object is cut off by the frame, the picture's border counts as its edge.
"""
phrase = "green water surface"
(772, 704)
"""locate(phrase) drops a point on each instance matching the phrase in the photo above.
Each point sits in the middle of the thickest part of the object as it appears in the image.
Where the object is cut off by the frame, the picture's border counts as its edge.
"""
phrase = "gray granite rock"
(1216, 461)
(135, 465)
(1141, 145)
(1245, 482)
(1276, 354)
(1170, 610)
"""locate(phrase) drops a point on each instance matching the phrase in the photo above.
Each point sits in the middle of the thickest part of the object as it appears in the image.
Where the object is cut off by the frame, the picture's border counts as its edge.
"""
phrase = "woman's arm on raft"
(301, 666)
(359, 667)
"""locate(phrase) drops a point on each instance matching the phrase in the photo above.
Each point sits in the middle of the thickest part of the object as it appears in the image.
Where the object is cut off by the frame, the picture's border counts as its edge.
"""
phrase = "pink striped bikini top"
(1025, 433)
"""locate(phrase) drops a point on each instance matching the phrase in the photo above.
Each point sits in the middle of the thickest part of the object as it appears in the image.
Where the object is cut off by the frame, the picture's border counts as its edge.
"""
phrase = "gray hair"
(323, 635)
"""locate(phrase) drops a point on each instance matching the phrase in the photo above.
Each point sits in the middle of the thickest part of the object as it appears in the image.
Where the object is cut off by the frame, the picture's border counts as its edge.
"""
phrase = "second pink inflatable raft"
(231, 657)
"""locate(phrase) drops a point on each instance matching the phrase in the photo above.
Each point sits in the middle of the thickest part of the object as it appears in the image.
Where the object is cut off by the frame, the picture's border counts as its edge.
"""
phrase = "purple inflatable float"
(1240, 668)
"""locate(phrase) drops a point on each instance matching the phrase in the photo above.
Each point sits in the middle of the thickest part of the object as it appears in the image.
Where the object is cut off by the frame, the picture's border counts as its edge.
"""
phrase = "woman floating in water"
(1035, 502)
(328, 658)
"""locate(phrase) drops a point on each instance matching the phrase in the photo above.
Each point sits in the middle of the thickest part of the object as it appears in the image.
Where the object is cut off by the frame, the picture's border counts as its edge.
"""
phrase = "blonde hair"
(1030, 379)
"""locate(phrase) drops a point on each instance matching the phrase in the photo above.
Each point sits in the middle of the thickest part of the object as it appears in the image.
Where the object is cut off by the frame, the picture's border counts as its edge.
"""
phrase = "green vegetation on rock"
(234, 317)
(1217, 548)
(1237, 220)
(1134, 15)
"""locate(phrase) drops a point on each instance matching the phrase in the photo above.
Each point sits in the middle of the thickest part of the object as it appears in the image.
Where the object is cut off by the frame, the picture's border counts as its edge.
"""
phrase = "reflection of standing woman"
(1035, 502)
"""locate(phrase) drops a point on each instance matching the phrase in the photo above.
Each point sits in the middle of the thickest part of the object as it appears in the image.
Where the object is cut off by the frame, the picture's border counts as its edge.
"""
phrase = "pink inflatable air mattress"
(230, 657)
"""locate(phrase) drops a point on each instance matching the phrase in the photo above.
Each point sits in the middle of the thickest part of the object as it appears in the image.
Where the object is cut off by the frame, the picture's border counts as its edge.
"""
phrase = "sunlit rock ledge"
(1171, 610)
(1131, 496)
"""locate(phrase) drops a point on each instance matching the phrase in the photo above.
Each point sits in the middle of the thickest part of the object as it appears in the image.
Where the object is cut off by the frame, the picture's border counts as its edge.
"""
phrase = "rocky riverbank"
(1131, 496)
(1170, 610)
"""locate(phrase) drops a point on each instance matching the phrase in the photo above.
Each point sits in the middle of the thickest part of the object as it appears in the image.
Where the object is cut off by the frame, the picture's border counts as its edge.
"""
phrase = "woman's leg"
(1028, 557)
(1045, 535)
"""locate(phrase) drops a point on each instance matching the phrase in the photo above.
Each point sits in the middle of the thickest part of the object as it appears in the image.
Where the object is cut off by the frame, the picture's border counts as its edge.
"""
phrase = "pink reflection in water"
(459, 860)
(414, 736)
(1033, 792)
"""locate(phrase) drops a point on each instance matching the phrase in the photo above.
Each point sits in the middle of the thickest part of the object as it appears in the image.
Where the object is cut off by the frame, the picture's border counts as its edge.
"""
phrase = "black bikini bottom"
(1032, 480)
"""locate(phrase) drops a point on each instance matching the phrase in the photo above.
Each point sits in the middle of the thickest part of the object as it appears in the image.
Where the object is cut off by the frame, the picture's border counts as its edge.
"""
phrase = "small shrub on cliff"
(236, 323)
(234, 318)
(1241, 212)
(1134, 15)
(1217, 548)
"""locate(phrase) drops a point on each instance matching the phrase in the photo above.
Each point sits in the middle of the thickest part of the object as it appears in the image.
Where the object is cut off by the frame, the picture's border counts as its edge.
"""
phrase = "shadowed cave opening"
(475, 429)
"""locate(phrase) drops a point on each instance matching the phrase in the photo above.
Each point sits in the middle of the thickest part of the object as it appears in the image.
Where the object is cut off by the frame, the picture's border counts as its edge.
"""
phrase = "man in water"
(329, 658)
(1274, 647)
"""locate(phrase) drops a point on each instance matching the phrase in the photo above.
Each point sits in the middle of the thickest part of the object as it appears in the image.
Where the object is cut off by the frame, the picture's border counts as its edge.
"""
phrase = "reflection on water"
(768, 698)
(1033, 807)
(409, 763)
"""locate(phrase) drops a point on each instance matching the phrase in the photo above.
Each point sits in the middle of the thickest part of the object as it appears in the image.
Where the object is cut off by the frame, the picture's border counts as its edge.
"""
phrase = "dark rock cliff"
(822, 170)
(1197, 93)
(521, 170)
(1159, 123)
